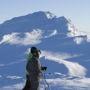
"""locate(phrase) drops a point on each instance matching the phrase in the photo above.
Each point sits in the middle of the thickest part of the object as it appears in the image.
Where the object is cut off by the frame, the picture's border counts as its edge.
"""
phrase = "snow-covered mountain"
(65, 51)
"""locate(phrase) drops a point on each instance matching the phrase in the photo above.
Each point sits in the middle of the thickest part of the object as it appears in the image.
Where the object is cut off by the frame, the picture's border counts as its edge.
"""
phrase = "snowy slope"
(65, 51)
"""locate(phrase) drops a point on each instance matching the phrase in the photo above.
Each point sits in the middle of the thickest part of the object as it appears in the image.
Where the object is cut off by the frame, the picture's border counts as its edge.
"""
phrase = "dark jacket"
(34, 69)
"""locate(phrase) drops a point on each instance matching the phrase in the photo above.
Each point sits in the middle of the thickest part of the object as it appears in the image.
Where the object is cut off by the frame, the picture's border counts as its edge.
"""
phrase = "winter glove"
(44, 68)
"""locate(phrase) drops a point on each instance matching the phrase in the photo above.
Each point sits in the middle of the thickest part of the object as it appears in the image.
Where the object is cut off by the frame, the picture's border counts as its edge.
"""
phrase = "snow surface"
(65, 51)
(14, 77)
(50, 15)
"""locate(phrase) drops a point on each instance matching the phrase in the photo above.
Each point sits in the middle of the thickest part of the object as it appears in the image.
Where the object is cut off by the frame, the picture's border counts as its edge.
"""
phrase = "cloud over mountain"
(30, 38)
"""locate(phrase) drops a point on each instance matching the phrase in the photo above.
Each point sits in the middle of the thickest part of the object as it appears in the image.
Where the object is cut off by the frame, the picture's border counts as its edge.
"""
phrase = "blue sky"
(76, 10)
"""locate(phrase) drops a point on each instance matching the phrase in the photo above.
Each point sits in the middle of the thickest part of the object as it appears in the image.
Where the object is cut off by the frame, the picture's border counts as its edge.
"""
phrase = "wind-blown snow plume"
(52, 34)
(76, 34)
(30, 38)
(78, 40)
(74, 69)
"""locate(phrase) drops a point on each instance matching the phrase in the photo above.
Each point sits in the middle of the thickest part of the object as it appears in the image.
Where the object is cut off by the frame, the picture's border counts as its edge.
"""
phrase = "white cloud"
(30, 38)
(10, 38)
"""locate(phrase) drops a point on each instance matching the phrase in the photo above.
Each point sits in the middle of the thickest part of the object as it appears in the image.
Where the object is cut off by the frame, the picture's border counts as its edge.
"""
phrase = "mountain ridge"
(39, 13)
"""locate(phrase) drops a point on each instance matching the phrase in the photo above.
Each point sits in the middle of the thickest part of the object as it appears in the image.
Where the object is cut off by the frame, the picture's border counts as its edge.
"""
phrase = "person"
(34, 70)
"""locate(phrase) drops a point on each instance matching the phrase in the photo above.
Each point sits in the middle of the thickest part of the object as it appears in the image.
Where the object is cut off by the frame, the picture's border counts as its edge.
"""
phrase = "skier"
(27, 85)
(34, 70)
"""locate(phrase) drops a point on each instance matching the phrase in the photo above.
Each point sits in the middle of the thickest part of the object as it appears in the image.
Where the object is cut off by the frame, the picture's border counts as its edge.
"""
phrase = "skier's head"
(35, 52)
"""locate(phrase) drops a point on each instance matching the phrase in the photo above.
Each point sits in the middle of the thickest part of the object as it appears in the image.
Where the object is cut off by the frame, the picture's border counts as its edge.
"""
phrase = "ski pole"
(45, 80)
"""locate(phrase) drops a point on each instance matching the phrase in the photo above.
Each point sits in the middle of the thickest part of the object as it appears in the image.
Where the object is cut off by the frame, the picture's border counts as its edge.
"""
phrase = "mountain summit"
(44, 15)
(45, 21)
(37, 20)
